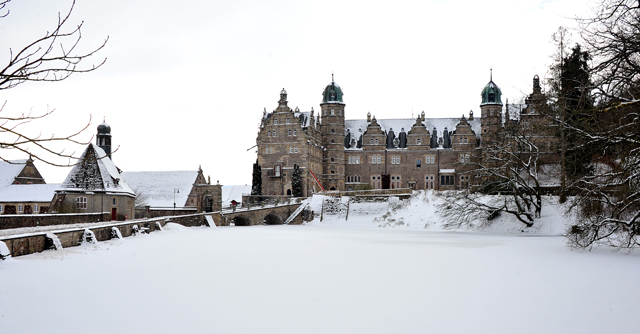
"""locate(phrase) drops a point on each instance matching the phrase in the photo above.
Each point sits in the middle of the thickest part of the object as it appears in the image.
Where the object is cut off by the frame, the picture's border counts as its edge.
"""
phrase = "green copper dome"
(491, 94)
(332, 93)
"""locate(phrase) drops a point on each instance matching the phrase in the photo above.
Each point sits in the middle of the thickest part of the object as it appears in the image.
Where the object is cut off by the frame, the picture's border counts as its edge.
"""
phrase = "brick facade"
(421, 153)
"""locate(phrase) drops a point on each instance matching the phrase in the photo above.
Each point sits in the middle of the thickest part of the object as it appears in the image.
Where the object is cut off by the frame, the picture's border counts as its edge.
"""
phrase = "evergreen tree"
(575, 92)
(256, 183)
(296, 182)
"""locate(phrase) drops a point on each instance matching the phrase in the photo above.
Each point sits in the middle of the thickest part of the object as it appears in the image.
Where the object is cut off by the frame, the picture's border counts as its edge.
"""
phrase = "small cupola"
(332, 93)
(103, 137)
(491, 93)
(283, 98)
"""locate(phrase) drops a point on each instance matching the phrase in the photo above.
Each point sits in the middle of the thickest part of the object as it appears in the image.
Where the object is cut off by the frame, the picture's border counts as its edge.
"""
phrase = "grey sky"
(185, 83)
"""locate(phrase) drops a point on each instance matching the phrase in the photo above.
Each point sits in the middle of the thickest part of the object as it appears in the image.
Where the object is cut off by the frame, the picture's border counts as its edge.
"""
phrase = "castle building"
(95, 184)
(335, 153)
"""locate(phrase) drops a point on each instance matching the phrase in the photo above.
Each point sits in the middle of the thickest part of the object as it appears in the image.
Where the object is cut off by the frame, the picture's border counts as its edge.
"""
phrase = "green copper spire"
(332, 93)
(491, 93)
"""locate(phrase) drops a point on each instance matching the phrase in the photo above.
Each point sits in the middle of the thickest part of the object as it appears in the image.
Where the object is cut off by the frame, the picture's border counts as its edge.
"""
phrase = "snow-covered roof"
(230, 193)
(159, 186)
(95, 171)
(9, 171)
(28, 193)
(359, 126)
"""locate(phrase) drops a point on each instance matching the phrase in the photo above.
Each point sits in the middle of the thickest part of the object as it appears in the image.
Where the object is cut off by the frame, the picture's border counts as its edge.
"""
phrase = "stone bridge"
(24, 244)
(257, 215)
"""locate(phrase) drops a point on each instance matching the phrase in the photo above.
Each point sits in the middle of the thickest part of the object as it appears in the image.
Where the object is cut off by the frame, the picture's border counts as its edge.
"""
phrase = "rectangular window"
(287, 120)
(295, 149)
(418, 163)
(295, 132)
(290, 149)
(269, 133)
(289, 132)
(36, 208)
(375, 141)
(81, 202)
(379, 159)
(430, 159)
(446, 180)
(1, 208)
(20, 208)
(266, 150)
(275, 133)
(357, 160)
(276, 171)
(114, 202)
(275, 121)
(371, 141)
(419, 141)
(350, 160)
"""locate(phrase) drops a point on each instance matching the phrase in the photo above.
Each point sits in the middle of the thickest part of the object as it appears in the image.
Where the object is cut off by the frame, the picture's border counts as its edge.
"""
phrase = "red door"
(113, 214)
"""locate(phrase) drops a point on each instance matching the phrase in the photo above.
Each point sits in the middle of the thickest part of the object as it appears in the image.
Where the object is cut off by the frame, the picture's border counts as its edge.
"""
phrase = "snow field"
(320, 279)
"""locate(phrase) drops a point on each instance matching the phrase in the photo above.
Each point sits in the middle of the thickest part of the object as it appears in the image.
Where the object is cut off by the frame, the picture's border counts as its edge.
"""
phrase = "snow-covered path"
(320, 279)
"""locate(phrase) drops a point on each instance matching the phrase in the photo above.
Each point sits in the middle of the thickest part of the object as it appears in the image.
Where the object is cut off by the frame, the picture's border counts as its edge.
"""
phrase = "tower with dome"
(338, 153)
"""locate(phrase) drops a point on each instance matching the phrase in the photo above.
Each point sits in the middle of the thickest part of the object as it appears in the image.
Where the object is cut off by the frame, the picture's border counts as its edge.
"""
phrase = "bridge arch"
(273, 219)
(241, 221)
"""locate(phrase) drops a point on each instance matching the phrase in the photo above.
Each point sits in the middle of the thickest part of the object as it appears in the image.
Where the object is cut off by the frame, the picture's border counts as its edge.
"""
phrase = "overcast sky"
(185, 83)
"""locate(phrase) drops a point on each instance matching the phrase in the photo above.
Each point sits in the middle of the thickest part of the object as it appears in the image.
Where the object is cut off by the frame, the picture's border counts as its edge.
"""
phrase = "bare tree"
(607, 199)
(508, 179)
(52, 57)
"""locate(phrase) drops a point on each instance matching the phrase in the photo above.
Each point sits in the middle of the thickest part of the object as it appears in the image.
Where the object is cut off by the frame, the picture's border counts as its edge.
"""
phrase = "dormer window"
(492, 97)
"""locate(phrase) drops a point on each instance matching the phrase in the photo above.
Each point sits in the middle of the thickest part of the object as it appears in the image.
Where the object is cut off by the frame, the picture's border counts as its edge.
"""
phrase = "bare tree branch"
(52, 57)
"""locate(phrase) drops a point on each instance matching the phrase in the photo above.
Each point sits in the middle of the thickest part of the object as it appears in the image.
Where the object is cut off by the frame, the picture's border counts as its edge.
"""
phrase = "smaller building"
(174, 192)
(95, 184)
(22, 188)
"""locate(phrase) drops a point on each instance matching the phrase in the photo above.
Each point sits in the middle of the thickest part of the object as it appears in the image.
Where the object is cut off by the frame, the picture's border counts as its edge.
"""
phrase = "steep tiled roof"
(95, 171)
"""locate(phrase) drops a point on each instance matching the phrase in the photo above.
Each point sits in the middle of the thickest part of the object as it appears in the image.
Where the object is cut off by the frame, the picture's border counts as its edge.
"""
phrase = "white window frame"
(295, 132)
(287, 120)
(418, 141)
(81, 203)
(290, 149)
(20, 208)
(289, 132)
(36, 208)
(275, 121)
(295, 149)
(1, 208)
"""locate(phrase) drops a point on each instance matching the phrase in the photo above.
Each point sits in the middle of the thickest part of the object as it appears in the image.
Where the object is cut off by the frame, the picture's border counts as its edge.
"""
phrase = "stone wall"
(163, 212)
(18, 221)
(38, 242)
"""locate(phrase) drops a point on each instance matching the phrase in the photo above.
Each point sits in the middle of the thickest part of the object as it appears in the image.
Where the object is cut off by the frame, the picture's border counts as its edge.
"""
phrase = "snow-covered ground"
(334, 276)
